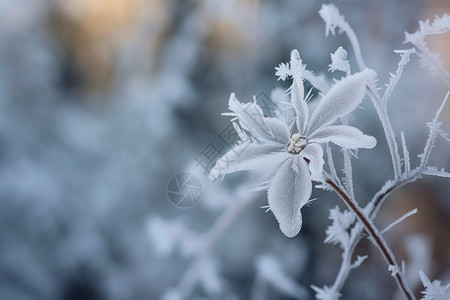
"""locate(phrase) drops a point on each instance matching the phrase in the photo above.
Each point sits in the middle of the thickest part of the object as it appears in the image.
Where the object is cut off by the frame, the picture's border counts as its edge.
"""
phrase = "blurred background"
(102, 102)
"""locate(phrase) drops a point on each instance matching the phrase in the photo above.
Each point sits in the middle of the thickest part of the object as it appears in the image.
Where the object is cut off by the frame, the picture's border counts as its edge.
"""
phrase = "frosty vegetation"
(296, 147)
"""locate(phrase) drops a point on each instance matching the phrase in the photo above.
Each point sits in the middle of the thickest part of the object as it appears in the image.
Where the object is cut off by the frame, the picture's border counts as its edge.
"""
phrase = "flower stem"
(388, 131)
(380, 107)
(376, 237)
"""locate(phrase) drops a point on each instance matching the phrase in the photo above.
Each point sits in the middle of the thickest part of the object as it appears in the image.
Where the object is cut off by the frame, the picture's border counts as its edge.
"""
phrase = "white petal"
(297, 70)
(314, 153)
(347, 137)
(298, 93)
(301, 109)
(252, 119)
(341, 99)
(247, 156)
(289, 190)
(278, 130)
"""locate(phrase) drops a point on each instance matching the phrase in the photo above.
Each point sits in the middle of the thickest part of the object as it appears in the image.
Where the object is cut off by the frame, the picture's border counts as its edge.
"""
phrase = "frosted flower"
(296, 154)
(332, 18)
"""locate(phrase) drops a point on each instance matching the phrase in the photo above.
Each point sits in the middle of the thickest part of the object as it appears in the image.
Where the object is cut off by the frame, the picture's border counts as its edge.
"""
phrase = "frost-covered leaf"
(347, 137)
(434, 290)
(298, 93)
(339, 61)
(251, 118)
(242, 136)
(246, 156)
(314, 153)
(301, 109)
(288, 192)
(278, 130)
(341, 99)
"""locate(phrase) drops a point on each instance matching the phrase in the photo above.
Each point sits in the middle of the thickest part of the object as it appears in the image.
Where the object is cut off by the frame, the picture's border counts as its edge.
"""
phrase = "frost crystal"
(337, 232)
(283, 71)
(429, 59)
(339, 61)
(394, 270)
(326, 293)
(434, 290)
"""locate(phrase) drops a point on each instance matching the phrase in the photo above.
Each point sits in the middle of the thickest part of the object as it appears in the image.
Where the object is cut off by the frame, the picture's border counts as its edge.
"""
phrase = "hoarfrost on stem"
(440, 25)
(332, 18)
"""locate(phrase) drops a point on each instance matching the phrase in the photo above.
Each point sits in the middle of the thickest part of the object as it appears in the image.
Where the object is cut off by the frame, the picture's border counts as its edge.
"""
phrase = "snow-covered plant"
(291, 146)
(295, 149)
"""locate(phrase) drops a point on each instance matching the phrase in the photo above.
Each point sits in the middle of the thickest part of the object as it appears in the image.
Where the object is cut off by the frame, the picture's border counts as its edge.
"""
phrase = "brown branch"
(376, 237)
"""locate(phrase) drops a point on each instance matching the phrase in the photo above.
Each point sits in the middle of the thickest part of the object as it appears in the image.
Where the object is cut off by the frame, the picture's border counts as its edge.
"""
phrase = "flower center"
(297, 143)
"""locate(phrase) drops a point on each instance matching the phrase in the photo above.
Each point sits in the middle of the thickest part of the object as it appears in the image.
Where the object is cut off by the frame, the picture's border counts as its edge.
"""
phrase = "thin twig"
(445, 75)
(388, 131)
(355, 44)
(379, 106)
(399, 220)
(376, 238)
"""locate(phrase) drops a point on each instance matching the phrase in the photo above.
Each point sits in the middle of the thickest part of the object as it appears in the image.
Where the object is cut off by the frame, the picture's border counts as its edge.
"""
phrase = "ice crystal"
(434, 290)
(326, 293)
(339, 61)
